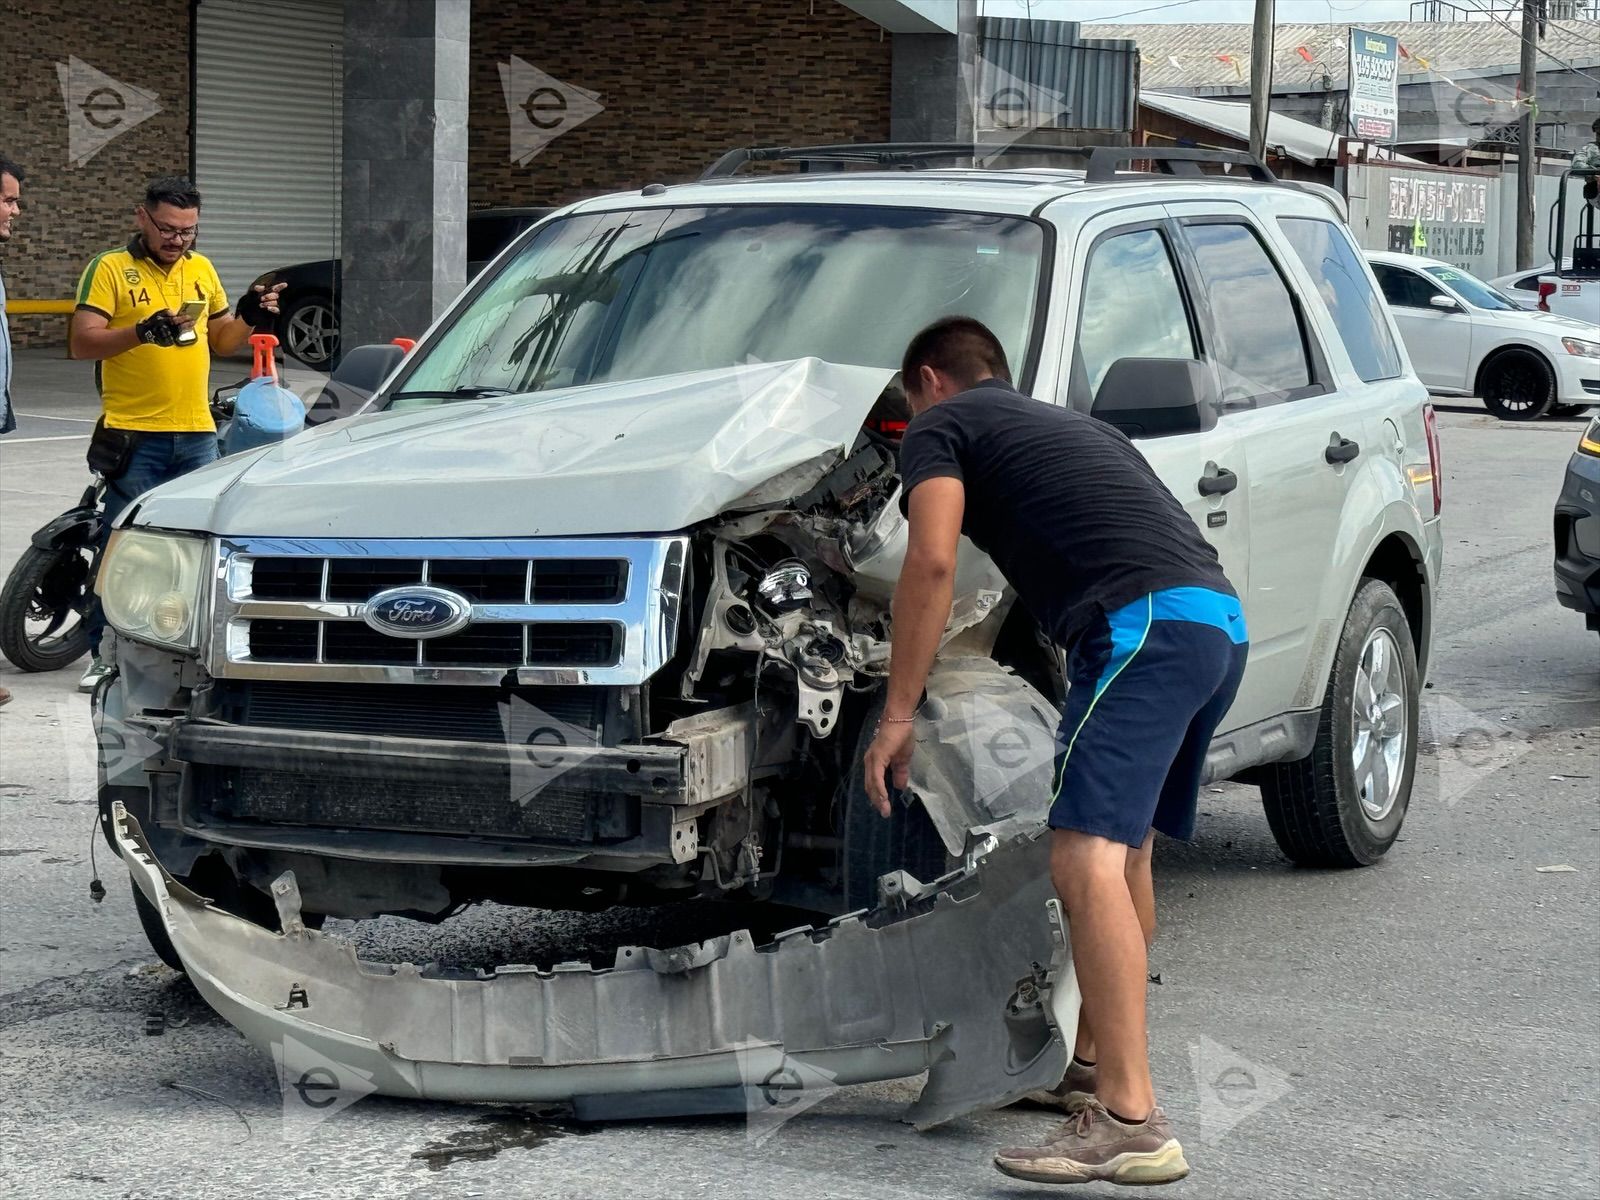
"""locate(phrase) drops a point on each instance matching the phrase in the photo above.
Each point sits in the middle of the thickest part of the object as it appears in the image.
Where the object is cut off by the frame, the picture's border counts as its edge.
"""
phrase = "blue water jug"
(264, 412)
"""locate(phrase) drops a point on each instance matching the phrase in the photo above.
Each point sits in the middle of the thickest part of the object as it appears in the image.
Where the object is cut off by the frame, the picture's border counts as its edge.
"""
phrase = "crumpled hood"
(645, 456)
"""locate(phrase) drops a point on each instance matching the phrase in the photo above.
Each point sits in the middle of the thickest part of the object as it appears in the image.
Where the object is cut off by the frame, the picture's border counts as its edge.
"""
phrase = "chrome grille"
(472, 714)
(553, 611)
(487, 580)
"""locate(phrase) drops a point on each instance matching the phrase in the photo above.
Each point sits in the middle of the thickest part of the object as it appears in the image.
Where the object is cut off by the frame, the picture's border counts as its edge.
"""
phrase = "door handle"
(1217, 481)
(1341, 450)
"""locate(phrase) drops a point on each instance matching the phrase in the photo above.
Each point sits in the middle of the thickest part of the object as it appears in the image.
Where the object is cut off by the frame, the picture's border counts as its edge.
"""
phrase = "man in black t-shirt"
(1114, 571)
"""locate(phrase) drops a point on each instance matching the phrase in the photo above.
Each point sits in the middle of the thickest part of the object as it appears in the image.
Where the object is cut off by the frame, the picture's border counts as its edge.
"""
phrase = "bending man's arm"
(921, 611)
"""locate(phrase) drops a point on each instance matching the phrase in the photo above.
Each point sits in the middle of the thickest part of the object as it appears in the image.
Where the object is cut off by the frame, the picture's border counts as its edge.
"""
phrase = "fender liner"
(75, 527)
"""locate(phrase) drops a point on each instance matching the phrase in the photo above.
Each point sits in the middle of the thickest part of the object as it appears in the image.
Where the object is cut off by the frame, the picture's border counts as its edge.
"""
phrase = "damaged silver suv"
(590, 604)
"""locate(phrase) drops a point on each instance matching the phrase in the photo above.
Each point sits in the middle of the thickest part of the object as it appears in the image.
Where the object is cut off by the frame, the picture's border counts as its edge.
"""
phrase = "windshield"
(606, 297)
(1473, 290)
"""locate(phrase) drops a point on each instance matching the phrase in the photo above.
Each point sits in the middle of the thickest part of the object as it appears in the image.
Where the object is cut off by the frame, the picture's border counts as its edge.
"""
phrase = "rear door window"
(1357, 313)
(1132, 308)
(1258, 344)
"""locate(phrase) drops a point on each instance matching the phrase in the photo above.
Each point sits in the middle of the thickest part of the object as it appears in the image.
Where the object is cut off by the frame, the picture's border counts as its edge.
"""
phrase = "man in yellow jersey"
(153, 356)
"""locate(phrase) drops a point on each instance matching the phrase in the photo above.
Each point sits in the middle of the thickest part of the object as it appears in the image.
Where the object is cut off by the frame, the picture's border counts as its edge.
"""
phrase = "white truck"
(590, 606)
(1571, 288)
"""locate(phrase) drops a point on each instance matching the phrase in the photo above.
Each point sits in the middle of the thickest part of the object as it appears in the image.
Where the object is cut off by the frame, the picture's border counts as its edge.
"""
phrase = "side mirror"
(1156, 397)
(1445, 303)
(352, 382)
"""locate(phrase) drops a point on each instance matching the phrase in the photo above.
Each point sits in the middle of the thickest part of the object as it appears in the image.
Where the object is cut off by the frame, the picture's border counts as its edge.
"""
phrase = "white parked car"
(1523, 286)
(1466, 338)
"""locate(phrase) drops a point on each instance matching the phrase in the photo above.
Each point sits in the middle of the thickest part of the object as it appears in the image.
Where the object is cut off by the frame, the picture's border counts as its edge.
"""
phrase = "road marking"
(60, 437)
(43, 417)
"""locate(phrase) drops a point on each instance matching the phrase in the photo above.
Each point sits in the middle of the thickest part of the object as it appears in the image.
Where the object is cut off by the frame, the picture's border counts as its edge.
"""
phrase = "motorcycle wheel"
(42, 608)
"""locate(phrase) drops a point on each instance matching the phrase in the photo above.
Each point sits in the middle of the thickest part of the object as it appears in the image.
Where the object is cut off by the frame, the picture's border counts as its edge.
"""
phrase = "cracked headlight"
(149, 586)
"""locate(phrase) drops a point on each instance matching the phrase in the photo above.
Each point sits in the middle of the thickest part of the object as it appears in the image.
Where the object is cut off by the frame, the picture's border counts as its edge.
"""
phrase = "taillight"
(1430, 422)
(1546, 290)
(889, 429)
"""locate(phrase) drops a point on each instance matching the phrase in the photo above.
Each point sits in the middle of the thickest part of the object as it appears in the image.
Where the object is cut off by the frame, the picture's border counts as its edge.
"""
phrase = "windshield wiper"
(465, 392)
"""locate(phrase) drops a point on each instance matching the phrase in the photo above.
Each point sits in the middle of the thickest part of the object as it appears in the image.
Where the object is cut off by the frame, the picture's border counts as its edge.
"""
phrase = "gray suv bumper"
(944, 978)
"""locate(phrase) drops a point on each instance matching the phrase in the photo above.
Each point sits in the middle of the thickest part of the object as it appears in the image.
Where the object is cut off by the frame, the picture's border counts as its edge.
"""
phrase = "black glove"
(158, 329)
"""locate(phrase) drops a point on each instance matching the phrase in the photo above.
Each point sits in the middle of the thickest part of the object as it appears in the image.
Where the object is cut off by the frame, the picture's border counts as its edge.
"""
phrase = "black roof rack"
(1100, 163)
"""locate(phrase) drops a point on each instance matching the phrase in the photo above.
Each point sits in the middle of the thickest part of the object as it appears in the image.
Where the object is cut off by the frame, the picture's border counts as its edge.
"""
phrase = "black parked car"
(1578, 529)
(308, 324)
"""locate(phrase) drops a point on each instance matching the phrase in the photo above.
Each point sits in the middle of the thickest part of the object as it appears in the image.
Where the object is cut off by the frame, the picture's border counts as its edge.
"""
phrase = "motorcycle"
(45, 602)
(47, 594)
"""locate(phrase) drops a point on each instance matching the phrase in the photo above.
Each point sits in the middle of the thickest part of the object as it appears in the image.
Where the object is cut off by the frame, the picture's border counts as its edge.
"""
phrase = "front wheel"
(155, 930)
(1342, 805)
(42, 608)
(1519, 386)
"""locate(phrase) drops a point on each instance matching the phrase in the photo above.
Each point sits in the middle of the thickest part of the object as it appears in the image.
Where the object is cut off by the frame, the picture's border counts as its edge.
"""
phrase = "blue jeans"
(156, 459)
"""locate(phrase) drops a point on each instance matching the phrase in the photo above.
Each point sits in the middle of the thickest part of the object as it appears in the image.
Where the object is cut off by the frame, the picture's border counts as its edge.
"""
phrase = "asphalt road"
(1424, 1028)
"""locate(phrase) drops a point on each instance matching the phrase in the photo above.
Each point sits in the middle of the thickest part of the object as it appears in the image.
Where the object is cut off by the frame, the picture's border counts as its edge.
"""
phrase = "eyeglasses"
(182, 235)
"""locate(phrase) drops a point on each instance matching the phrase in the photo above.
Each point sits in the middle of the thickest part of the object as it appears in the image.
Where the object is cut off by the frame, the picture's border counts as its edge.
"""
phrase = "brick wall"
(680, 81)
(70, 213)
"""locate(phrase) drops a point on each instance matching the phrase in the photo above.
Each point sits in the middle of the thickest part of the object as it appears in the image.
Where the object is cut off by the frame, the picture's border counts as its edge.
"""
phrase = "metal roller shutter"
(269, 88)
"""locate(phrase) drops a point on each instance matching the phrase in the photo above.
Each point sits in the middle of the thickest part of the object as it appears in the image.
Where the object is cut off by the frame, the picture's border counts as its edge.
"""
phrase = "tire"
(44, 587)
(1326, 810)
(154, 931)
(873, 846)
(309, 332)
(1519, 386)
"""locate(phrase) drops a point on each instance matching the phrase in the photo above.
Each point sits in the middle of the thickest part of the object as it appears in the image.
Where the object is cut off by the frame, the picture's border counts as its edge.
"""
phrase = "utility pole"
(1260, 78)
(1526, 158)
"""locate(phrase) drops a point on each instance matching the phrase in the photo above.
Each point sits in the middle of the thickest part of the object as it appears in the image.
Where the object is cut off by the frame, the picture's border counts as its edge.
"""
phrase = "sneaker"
(1093, 1145)
(5, 696)
(1072, 1093)
(97, 671)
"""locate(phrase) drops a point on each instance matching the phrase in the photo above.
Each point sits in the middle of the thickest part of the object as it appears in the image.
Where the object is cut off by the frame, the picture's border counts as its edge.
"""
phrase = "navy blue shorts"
(1150, 684)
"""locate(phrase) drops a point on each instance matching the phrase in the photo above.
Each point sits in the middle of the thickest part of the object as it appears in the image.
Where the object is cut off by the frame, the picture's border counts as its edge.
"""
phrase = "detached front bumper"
(943, 978)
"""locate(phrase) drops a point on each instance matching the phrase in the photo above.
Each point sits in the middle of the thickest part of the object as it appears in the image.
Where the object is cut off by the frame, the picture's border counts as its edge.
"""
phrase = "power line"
(1570, 31)
(1540, 49)
(1136, 11)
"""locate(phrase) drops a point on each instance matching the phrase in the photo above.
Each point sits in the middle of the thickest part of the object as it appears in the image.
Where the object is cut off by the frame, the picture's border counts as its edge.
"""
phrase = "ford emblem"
(418, 611)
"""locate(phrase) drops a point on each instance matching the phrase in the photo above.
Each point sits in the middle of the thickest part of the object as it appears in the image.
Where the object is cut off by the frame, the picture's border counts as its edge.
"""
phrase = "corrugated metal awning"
(1300, 140)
